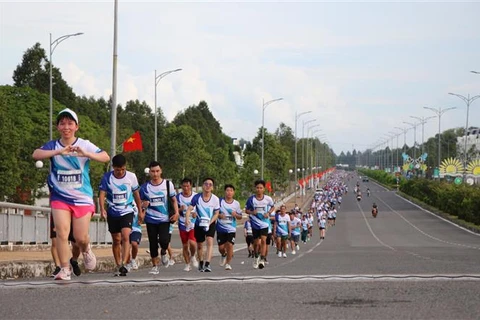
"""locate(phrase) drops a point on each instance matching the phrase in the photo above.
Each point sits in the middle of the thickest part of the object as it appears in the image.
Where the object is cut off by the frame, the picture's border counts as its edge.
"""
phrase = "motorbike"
(359, 197)
(374, 212)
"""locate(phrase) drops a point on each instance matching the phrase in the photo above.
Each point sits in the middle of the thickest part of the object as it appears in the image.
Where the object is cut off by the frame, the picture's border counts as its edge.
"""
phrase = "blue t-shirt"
(205, 209)
(262, 206)
(186, 201)
(229, 223)
(119, 192)
(157, 210)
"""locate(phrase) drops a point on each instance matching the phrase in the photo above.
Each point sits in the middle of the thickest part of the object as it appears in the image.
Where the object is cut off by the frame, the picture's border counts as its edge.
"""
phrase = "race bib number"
(119, 198)
(70, 179)
(157, 201)
(204, 222)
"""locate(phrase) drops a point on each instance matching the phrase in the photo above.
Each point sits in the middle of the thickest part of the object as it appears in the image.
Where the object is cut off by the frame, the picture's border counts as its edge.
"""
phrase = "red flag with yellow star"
(134, 143)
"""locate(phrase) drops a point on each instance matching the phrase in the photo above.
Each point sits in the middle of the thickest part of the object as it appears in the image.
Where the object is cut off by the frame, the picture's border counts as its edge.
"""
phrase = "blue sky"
(361, 68)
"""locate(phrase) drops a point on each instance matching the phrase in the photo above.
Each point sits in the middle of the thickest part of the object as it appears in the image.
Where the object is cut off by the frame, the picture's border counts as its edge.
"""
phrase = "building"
(473, 143)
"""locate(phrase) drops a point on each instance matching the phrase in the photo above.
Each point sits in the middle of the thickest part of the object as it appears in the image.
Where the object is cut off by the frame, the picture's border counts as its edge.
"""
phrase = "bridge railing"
(23, 224)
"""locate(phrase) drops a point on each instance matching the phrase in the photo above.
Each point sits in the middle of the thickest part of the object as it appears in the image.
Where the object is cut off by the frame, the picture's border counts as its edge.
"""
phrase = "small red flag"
(134, 143)
(268, 186)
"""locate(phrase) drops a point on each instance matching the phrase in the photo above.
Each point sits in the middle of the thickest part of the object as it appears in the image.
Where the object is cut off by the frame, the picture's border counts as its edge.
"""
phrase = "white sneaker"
(64, 274)
(256, 262)
(297, 247)
(228, 267)
(284, 255)
(261, 264)
(194, 262)
(128, 266)
(134, 264)
(223, 259)
(89, 260)
(294, 252)
(154, 270)
(171, 262)
(279, 254)
(165, 260)
(187, 268)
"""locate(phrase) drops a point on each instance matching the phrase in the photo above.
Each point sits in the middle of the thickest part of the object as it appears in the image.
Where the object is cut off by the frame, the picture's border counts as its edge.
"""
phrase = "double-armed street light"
(264, 106)
(53, 45)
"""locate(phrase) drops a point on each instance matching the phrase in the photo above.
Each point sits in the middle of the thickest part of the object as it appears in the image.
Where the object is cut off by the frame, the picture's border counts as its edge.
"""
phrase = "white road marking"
(371, 231)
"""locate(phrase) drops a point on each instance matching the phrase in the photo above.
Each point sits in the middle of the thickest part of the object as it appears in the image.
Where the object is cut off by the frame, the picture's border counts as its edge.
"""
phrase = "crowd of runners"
(200, 217)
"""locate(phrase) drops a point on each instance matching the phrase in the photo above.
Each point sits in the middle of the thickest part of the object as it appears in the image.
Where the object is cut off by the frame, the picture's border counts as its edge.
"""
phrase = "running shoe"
(256, 262)
(123, 271)
(279, 254)
(129, 266)
(89, 260)
(294, 252)
(194, 262)
(207, 269)
(64, 274)
(154, 270)
(55, 272)
(261, 264)
(134, 264)
(171, 262)
(223, 259)
(297, 247)
(75, 267)
(228, 267)
(165, 260)
(187, 268)
(284, 255)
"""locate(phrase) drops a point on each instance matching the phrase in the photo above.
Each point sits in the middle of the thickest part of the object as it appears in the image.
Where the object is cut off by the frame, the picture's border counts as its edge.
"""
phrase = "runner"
(230, 212)
(119, 188)
(155, 199)
(282, 231)
(259, 207)
(206, 207)
(71, 194)
(295, 224)
(248, 233)
(135, 239)
(187, 235)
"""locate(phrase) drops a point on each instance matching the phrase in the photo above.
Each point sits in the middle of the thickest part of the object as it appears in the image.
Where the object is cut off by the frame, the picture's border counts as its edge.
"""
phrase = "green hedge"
(462, 201)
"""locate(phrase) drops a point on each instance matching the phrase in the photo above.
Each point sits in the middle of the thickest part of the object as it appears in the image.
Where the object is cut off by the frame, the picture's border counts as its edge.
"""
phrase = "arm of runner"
(101, 201)
(138, 202)
(187, 215)
(215, 216)
(175, 207)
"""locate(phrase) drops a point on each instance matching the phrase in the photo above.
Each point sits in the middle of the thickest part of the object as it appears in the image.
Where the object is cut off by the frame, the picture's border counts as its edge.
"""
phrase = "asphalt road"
(406, 263)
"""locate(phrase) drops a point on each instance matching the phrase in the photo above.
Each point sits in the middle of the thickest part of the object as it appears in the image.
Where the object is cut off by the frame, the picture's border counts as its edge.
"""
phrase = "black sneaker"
(123, 271)
(207, 269)
(55, 272)
(75, 267)
(200, 266)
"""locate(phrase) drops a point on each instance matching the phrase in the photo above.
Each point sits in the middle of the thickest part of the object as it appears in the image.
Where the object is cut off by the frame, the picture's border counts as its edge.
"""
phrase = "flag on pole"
(268, 186)
(134, 143)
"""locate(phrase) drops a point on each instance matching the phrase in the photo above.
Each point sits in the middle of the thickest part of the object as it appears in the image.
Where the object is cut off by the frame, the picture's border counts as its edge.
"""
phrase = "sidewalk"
(37, 262)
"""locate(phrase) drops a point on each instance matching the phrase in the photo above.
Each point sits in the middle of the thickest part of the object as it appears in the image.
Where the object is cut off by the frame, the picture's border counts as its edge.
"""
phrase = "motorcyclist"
(368, 192)
(374, 210)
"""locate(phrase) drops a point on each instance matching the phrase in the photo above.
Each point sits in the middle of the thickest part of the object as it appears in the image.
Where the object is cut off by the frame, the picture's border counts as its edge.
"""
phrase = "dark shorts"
(295, 238)
(257, 233)
(53, 232)
(283, 237)
(224, 237)
(135, 236)
(270, 238)
(249, 239)
(116, 224)
(201, 234)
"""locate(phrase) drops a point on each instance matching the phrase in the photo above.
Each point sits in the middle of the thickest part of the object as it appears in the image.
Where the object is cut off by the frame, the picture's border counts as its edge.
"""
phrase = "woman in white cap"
(71, 194)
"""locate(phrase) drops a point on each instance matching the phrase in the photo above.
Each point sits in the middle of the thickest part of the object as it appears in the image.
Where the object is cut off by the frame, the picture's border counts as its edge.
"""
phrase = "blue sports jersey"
(205, 209)
(296, 223)
(119, 192)
(69, 179)
(186, 201)
(229, 223)
(136, 227)
(262, 206)
(157, 210)
(248, 227)
(283, 223)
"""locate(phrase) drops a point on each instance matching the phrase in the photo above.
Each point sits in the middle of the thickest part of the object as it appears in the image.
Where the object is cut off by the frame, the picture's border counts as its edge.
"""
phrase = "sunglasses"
(208, 184)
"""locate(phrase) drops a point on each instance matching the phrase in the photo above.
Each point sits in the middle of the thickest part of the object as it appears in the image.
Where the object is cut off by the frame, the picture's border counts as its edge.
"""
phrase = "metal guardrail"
(23, 224)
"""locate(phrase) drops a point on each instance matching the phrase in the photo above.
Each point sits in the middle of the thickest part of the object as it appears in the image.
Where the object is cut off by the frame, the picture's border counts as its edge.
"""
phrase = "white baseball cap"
(70, 112)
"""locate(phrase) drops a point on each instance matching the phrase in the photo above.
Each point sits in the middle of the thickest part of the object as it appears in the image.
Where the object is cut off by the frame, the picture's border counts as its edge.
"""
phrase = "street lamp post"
(439, 113)
(303, 143)
(157, 80)
(414, 126)
(468, 101)
(296, 164)
(53, 45)
(422, 120)
(307, 155)
(264, 106)
(312, 156)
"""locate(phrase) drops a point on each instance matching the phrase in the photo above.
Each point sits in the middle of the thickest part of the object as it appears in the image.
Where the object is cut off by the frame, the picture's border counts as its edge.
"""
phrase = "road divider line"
(371, 231)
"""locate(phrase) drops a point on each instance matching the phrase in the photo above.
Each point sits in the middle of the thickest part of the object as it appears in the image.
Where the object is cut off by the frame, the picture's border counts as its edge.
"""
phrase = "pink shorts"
(76, 211)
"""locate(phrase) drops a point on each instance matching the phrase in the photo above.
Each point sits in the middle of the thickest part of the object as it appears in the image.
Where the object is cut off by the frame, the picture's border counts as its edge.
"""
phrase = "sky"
(360, 68)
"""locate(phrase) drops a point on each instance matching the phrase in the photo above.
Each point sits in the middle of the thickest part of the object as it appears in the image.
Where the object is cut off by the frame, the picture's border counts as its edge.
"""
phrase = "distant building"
(473, 141)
